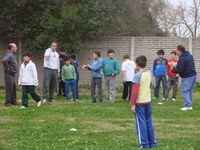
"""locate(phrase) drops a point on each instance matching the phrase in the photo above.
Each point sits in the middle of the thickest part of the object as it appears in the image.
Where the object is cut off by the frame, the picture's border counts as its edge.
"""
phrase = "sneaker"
(39, 104)
(154, 98)
(165, 99)
(77, 99)
(23, 107)
(44, 101)
(186, 108)
(173, 99)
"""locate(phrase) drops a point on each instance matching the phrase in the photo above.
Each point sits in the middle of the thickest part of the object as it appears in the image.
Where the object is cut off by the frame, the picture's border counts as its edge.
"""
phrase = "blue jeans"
(144, 125)
(70, 84)
(157, 87)
(187, 88)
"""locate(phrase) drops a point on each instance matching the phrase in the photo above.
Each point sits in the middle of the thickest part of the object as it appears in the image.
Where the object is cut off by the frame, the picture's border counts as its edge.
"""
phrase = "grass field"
(99, 126)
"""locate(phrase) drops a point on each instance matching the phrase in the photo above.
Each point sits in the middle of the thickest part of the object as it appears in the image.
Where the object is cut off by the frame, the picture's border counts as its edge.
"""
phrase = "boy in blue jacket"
(160, 72)
(96, 77)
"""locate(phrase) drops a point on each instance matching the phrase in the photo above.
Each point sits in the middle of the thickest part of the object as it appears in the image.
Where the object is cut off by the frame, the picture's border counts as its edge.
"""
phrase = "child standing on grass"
(160, 72)
(96, 77)
(141, 104)
(75, 64)
(128, 71)
(69, 77)
(61, 87)
(172, 78)
(110, 68)
(28, 80)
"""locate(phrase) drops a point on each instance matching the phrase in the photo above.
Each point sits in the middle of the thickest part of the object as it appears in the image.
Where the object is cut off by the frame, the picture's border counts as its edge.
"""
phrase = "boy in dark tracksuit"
(141, 105)
(61, 88)
(75, 64)
(160, 72)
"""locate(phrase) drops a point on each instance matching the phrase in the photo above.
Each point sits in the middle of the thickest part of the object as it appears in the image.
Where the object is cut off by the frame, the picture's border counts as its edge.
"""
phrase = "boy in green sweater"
(69, 77)
(110, 68)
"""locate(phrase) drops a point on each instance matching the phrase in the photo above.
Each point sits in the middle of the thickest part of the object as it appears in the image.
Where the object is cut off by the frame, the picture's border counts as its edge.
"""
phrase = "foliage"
(37, 22)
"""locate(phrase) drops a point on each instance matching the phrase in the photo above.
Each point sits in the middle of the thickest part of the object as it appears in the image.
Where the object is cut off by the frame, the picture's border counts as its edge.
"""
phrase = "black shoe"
(7, 104)
(94, 101)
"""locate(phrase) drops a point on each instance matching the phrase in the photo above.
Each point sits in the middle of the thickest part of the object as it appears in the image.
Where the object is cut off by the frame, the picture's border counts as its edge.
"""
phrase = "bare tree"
(184, 16)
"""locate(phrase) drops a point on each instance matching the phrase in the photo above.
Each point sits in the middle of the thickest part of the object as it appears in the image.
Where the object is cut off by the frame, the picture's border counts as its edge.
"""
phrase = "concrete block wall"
(134, 46)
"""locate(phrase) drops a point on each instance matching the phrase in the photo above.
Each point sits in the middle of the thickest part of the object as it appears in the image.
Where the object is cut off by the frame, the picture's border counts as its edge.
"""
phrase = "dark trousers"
(96, 82)
(172, 81)
(10, 89)
(49, 82)
(77, 79)
(157, 87)
(28, 89)
(61, 88)
(127, 90)
(70, 84)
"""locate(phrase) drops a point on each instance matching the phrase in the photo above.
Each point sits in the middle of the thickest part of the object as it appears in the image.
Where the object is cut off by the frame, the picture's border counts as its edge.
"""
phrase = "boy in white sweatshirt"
(28, 80)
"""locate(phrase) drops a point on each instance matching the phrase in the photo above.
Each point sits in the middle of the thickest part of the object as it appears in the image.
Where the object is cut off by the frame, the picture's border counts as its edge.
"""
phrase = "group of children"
(136, 82)
(162, 71)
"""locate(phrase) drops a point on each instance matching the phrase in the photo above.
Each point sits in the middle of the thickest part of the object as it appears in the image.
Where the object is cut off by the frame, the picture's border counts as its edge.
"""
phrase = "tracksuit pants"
(127, 90)
(172, 81)
(144, 125)
(49, 83)
(31, 90)
(96, 82)
(157, 86)
(110, 84)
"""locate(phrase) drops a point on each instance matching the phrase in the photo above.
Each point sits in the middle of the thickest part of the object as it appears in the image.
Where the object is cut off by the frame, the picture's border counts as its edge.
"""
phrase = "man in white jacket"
(28, 80)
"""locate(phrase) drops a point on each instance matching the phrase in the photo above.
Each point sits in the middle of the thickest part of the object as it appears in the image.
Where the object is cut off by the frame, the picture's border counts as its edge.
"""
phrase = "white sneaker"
(44, 101)
(165, 99)
(39, 104)
(173, 99)
(186, 108)
(23, 107)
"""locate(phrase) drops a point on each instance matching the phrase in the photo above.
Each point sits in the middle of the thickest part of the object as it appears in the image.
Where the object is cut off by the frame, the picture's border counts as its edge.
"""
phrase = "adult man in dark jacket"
(186, 69)
(10, 69)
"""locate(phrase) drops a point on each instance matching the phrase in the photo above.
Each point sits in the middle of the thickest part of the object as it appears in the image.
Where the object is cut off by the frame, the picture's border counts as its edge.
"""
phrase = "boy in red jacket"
(172, 78)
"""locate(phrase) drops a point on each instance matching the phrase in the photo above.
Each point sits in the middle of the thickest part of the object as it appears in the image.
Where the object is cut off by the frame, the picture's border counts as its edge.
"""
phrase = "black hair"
(67, 58)
(73, 57)
(181, 48)
(126, 56)
(27, 53)
(160, 52)
(110, 51)
(98, 53)
(173, 52)
(62, 49)
(141, 61)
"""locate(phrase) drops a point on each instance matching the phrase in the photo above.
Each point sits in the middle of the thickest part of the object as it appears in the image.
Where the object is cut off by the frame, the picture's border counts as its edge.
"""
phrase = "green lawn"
(99, 126)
